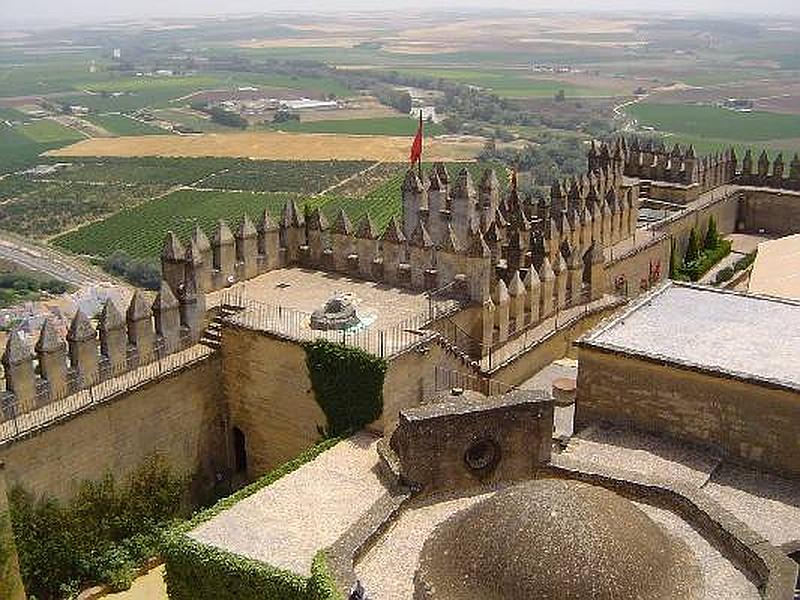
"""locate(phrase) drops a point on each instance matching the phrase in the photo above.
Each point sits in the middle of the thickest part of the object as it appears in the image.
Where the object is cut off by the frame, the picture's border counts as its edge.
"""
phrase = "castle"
(470, 287)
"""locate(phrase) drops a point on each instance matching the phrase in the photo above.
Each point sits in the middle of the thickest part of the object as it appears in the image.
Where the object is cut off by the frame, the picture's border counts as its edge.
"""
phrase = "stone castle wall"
(747, 421)
(177, 417)
(773, 211)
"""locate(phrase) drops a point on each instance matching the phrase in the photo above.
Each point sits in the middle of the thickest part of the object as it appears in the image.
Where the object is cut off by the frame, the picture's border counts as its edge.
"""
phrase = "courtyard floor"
(286, 523)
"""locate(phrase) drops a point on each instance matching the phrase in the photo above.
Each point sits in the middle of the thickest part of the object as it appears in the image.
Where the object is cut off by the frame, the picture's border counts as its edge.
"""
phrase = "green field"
(508, 83)
(403, 126)
(117, 124)
(717, 123)
(139, 231)
(45, 131)
(190, 120)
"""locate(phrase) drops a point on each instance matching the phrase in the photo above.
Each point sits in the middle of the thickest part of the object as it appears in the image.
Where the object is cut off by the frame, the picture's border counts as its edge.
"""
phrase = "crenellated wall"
(59, 367)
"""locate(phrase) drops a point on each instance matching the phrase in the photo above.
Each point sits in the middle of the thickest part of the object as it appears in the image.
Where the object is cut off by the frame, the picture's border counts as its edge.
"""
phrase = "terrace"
(282, 301)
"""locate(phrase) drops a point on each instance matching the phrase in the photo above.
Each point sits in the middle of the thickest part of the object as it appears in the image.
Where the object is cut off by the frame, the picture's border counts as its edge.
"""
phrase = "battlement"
(61, 366)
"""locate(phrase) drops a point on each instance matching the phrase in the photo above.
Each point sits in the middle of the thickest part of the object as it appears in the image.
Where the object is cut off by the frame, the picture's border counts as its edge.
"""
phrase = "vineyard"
(139, 231)
(47, 208)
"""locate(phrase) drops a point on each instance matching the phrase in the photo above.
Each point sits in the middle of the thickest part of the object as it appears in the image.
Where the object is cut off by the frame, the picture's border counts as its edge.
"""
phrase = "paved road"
(49, 261)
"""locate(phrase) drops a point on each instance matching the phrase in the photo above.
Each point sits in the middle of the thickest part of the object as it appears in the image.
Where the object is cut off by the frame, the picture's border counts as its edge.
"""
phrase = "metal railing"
(448, 379)
(295, 324)
(20, 417)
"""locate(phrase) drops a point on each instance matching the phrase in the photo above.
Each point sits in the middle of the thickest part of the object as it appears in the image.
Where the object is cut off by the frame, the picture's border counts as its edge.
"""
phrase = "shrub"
(696, 269)
(141, 273)
(100, 536)
(348, 384)
(745, 262)
(692, 248)
(196, 571)
(712, 235)
(723, 275)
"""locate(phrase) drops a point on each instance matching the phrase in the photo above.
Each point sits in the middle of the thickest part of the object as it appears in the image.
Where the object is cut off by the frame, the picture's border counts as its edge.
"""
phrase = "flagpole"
(422, 146)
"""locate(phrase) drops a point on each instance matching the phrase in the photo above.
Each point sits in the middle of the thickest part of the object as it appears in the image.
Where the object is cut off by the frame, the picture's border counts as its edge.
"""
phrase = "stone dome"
(555, 539)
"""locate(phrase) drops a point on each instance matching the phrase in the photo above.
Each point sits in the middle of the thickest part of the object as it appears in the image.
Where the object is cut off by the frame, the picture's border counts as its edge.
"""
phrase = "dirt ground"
(274, 145)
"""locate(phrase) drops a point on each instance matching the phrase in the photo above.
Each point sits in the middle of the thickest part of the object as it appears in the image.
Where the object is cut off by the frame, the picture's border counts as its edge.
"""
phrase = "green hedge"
(347, 383)
(707, 259)
(10, 580)
(196, 571)
(102, 535)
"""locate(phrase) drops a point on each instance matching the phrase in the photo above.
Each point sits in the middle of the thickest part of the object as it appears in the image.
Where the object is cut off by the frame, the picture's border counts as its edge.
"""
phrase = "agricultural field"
(47, 208)
(395, 126)
(45, 131)
(190, 119)
(308, 177)
(20, 144)
(139, 231)
(274, 146)
(120, 124)
(512, 83)
(716, 123)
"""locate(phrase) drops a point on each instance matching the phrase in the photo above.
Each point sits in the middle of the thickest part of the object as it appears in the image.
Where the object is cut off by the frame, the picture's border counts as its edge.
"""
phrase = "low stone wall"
(773, 572)
(178, 417)
(747, 420)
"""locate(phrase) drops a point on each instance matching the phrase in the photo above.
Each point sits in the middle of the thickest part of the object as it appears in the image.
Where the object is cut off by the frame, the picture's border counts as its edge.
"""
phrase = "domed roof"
(555, 539)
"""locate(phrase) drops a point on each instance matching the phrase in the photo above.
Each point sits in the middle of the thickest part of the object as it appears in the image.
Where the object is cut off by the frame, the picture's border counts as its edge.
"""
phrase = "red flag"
(416, 147)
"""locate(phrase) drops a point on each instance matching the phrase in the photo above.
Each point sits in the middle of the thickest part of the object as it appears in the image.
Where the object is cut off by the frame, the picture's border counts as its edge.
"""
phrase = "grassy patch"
(402, 126)
(509, 83)
(118, 124)
(45, 131)
(718, 123)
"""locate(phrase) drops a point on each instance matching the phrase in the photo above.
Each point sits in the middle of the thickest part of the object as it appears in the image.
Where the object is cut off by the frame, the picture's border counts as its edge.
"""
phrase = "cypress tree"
(674, 261)
(712, 235)
(692, 248)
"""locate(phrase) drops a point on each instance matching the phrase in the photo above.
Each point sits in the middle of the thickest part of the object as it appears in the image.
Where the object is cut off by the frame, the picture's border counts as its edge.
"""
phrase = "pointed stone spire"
(266, 224)
(165, 299)
(477, 246)
(516, 287)
(138, 309)
(393, 233)
(292, 216)
(222, 234)
(412, 182)
(166, 309)
(80, 329)
(17, 351)
(342, 225)
(50, 339)
(172, 249)
(450, 243)
(435, 183)
(200, 239)
(420, 238)
(110, 317)
(463, 186)
(317, 220)
(366, 229)
(794, 168)
(246, 228)
(441, 172)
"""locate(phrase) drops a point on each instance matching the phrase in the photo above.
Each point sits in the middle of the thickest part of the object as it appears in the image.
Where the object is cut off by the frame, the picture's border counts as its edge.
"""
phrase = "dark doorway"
(239, 451)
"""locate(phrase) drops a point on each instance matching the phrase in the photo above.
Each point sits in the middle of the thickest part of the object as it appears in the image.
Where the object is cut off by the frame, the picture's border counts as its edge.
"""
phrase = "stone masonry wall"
(178, 417)
(773, 211)
(270, 398)
(748, 421)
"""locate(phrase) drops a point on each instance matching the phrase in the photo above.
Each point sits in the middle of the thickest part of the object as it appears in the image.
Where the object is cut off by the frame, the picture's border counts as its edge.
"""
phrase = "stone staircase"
(212, 336)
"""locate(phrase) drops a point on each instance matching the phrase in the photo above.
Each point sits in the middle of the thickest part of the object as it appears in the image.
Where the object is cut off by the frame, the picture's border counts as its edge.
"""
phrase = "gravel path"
(286, 523)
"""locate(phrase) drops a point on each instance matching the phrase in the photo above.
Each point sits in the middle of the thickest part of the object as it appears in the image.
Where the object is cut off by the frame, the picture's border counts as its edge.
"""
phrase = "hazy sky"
(102, 10)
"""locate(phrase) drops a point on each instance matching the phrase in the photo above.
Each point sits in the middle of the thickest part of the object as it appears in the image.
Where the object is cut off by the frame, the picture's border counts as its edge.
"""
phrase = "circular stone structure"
(555, 539)
(338, 313)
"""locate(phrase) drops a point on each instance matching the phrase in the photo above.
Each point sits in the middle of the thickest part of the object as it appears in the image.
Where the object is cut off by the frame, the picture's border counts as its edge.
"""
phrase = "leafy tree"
(692, 248)
(712, 235)
(560, 96)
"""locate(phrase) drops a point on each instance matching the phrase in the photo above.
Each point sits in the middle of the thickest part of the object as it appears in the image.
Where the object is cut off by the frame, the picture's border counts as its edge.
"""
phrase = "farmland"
(119, 124)
(21, 143)
(718, 123)
(139, 231)
(511, 83)
(396, 126)
(272, 146)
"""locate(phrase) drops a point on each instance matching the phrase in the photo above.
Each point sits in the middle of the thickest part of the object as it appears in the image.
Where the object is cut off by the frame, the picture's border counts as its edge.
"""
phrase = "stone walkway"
(770, 505)
(286, 523)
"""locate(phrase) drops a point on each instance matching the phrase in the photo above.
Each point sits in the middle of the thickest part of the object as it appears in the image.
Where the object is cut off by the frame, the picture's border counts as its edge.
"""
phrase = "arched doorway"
(239, 451)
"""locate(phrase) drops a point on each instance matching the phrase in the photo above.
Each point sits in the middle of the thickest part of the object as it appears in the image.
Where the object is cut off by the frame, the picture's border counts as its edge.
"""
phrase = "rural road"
(49, 261)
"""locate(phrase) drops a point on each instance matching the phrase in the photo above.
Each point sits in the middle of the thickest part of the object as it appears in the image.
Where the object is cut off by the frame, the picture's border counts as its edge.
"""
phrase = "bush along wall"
(10, 579)
(196, 571)
(347, 383)
(701, 254)
(103, 535)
